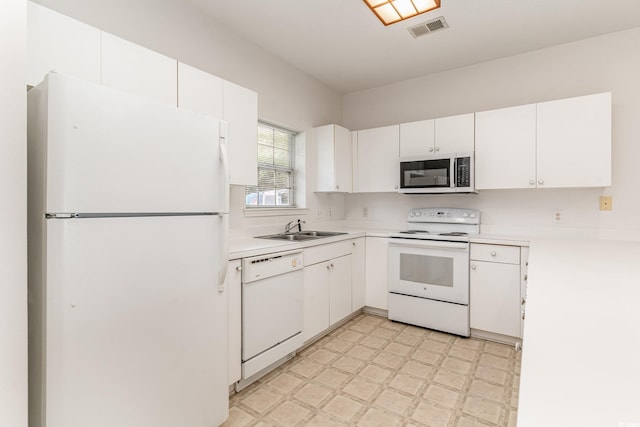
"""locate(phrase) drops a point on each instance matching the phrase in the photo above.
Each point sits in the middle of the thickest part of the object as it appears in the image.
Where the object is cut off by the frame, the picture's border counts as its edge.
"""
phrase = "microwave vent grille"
(428, 27)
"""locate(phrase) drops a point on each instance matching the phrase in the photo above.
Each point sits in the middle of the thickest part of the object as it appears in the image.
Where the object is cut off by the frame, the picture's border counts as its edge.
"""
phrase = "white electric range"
(429, 269)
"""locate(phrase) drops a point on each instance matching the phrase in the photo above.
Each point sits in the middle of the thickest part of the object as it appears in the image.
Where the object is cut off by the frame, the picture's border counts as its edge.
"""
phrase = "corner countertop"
(581, 357)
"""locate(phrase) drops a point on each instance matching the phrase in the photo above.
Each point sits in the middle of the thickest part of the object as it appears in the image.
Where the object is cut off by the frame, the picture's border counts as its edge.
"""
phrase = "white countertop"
(581, 357)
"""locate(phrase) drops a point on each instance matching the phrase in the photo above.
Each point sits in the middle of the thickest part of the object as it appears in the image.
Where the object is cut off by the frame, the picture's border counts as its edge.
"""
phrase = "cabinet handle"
(541, 181)
(328, 267)
(239, 268)
(337, 187)
(526, 277)
(431, 149)
(437, 148)
(473, 267)
(532, 182)
(493, 253)
(524, 300)
(395, 187)
(353, 243)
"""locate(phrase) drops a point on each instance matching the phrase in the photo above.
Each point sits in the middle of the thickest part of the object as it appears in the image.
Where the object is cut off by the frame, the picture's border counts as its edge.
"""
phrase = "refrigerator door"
(136, 326)
(109, 152)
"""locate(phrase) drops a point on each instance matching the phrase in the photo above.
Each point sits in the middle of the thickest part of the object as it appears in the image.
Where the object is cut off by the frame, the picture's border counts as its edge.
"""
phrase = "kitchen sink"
(301, 235)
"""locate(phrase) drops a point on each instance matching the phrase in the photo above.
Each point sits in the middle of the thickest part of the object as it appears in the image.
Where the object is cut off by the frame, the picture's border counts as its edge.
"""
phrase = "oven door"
(420, 175)
(436, 270)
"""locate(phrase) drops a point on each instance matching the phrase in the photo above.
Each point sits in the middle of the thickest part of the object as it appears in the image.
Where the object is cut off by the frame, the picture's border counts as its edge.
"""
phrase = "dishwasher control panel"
(264, 266)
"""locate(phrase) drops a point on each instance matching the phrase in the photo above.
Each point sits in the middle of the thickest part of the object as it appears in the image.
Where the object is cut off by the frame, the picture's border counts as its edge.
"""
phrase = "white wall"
(13, 216)
(286, 96)
(606, 63)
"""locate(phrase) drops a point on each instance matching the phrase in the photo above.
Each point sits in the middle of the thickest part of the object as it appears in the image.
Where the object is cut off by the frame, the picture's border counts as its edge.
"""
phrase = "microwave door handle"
(452, 173)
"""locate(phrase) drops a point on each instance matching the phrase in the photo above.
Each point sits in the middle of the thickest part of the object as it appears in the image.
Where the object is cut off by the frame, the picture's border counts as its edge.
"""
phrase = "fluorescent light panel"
(392, 11)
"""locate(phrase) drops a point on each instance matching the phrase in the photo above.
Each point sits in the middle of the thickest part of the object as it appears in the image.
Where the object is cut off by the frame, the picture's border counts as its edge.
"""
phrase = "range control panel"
(445, 215)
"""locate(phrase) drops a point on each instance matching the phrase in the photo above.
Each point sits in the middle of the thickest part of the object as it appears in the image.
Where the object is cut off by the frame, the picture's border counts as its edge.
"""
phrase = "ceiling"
(344, 45)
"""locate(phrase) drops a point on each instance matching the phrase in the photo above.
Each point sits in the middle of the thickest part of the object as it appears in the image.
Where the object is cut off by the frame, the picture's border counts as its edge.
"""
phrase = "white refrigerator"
(127, 257)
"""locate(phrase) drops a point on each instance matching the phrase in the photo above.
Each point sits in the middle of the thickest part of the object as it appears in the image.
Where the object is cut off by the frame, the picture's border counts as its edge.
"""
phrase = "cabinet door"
(494, 302)
(358, 269)
(417, 138)
(377, 272)
(324, 139)
(574, 142)
(135, 69)
(316, 299)
(342, 161)
(199, 91)
(340, 289)
(57, 42)
(454, 134)
(240, 109)
(506, 148)
(378, 168)
(233, 286)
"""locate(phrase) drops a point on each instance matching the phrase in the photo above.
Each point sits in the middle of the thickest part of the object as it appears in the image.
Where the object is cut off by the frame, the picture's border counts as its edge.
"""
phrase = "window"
(275, 169)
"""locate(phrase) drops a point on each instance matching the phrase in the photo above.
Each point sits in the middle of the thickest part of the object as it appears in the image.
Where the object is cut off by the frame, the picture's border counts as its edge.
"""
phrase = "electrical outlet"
(365, 212)
(319, 213)
(557, 217)
(329, 212)
(605, 203)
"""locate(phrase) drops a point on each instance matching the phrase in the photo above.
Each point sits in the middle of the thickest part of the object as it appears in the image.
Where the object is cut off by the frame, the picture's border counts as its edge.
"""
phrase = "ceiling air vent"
(429, 27)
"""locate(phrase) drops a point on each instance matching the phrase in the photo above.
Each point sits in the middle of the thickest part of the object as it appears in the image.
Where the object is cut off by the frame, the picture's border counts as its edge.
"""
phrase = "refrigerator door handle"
(224, 252)
(224, 160)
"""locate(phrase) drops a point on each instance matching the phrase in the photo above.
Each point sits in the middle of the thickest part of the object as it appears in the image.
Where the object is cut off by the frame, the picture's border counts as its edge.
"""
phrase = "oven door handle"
(425, 244)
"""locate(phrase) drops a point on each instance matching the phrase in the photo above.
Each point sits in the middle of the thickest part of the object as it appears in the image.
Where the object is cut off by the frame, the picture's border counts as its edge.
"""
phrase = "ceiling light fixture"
(392, 11)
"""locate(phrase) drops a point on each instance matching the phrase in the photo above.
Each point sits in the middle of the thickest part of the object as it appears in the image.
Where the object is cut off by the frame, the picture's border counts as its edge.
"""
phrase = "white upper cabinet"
(556, 144)
(240, 109)
(57, 42)
(135, 69)
(574, 142)
(199, 91)
(417, 138)
(454, 134)
(505, 152)
(377, 159)
(333, 159)
(445, 135)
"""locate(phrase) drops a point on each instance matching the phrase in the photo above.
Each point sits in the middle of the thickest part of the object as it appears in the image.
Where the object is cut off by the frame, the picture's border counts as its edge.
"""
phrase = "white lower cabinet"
(233, 286)
(376, 272)
(327, 286)
(495, 303)
(358, 274)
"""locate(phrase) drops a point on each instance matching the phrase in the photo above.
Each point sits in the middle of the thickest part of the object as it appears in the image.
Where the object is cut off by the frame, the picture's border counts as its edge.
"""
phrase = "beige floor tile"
(483, 409)
(313, 394)
(394, 326)
(468, 422)
(362, 352)
(322, 420)
(487, 391)
(363, 328)
(407, 384)
(426, 356)
(494, 361)
(361, 389)
(441, 336)
(414, 330)
(512, 419)
(464, 353)
(375, 373)
(373, 342)
(515, 393)
(262, 400)
(491, 375)
(450, 379)
(432, 415)
(397, 348)
(433, 345)
(501, 350)
(384, 333)
(285, 382)
(377, 418)
(393, 401)
(331, 378)
(456, 365)
(372, 320)
(342, 407)
(306, 368)
(473, 343)
(388, 360)
(322, 356)
(289, 414)
(441, 395)
(408, 339)
(338, 345)
(417, 369)
(351, 336)
(238, 418)
(348, 364)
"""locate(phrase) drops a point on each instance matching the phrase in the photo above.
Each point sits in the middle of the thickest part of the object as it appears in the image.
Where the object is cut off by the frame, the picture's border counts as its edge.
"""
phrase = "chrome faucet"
(293, 224)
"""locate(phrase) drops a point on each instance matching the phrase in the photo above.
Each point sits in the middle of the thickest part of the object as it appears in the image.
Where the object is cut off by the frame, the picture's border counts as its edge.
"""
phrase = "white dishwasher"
(272, 300)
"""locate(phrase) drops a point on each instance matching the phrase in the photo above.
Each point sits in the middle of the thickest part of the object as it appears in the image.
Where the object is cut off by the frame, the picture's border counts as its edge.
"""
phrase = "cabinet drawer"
(316, 254)
(496, 253)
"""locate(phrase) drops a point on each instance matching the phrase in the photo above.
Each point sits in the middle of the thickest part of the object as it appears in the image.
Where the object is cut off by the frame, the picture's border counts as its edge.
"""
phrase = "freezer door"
(109, 151)
(136, 329)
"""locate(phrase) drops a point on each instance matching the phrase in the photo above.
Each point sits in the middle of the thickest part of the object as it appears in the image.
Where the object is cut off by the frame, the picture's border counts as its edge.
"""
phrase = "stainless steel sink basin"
(301, 236)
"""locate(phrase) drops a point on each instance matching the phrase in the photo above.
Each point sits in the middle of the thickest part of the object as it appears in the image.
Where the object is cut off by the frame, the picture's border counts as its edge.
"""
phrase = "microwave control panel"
(463, 172)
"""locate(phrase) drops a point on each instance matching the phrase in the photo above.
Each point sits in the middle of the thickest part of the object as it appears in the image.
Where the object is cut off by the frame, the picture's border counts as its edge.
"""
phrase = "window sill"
(258, 212)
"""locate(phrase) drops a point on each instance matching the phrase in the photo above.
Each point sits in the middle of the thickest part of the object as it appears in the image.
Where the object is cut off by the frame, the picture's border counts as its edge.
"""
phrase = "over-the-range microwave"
(443, 173)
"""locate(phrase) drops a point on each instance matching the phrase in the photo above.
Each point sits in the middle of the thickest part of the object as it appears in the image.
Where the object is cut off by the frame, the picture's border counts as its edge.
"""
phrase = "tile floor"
(374, 372)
